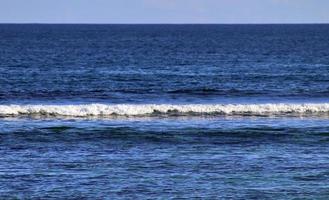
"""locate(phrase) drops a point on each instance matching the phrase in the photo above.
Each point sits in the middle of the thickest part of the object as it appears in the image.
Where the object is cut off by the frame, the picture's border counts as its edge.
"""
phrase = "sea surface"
(164, 111)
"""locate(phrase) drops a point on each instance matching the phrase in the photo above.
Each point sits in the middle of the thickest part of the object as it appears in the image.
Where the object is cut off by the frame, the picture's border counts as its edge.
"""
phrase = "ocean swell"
(99, 110)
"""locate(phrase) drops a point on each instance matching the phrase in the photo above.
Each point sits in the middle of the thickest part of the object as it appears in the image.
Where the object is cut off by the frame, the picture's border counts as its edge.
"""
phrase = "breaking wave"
(103, 110)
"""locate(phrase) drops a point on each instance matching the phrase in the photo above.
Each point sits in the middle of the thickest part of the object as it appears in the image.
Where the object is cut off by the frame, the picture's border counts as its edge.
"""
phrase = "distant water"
(160, 111)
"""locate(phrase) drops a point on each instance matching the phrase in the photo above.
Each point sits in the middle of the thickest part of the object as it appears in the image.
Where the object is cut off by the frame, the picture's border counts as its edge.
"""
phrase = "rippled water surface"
(180, 157)
(164, 111)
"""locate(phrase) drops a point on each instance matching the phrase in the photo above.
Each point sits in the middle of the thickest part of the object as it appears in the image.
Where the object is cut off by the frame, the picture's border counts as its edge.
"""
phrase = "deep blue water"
(276, 153)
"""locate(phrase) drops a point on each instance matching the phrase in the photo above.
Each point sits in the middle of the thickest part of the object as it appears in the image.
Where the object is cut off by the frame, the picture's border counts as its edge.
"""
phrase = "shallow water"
(239, 157)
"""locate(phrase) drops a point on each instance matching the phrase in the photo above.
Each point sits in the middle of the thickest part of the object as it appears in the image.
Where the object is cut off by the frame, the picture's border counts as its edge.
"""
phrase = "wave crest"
(86, 110)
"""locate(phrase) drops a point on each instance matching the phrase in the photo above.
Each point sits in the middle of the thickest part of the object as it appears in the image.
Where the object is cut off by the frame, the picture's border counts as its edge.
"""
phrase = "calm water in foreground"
(164, 111)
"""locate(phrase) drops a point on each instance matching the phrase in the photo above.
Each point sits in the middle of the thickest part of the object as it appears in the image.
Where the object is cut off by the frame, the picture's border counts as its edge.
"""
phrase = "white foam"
(86, 110)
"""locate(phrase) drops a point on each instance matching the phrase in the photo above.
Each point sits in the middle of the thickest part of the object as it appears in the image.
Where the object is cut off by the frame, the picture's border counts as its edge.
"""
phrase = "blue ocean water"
(164, 111)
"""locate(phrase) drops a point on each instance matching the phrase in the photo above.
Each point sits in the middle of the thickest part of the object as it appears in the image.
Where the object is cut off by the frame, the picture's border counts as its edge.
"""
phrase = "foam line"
(86, 110)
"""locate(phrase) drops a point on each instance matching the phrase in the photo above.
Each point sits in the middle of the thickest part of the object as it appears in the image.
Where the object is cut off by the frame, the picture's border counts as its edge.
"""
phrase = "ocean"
(164, 111)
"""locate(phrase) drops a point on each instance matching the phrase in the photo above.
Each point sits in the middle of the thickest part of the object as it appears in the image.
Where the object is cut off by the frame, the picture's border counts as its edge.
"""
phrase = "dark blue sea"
(164, 111)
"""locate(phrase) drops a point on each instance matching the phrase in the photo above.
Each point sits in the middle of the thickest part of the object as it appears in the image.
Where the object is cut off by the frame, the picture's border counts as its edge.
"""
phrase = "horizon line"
(83, 23)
